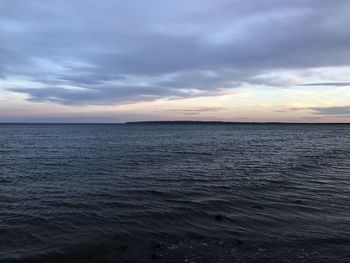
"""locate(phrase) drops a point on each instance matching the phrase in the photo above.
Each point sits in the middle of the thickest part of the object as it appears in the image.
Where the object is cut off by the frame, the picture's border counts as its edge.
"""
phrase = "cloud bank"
(85, 52)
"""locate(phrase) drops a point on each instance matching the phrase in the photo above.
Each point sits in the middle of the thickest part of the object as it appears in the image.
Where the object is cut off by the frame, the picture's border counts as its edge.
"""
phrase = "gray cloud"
(127, 51)
(105, 95)
(325, 111)
(341, 110)
(334, 84)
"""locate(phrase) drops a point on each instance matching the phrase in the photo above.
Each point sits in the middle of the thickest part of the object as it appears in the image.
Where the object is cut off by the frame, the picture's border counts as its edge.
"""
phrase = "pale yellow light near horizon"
(246, 103)
(241, 105)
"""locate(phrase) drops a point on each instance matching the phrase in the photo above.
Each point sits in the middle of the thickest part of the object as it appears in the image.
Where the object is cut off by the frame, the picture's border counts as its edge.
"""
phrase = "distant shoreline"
(223, 122)
(176, 122)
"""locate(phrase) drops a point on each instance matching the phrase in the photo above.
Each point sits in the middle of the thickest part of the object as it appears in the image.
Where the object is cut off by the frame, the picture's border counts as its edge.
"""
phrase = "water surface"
(174, 192)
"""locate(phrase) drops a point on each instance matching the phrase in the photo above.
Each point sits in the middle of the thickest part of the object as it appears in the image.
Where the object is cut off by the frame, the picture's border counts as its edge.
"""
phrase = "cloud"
(195, 111)
(326, 111)
(129, 51)
(341, 110)
(332, 84)
(105, 95)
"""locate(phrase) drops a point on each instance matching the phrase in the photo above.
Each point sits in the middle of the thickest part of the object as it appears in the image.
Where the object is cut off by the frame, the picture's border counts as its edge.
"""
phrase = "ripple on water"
(209, 190)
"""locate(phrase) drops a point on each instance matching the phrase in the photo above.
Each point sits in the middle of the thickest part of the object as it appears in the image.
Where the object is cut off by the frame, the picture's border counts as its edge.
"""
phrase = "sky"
(118, 61)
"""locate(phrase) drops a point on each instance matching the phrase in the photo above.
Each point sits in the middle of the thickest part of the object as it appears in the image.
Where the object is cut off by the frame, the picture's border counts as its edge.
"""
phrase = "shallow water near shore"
(174, 193)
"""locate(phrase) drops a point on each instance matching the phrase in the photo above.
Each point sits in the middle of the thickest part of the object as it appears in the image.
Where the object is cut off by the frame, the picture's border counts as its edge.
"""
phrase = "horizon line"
(178, 122)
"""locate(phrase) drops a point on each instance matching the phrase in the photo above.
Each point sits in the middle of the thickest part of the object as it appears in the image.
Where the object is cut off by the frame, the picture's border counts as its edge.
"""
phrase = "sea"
(174, 192)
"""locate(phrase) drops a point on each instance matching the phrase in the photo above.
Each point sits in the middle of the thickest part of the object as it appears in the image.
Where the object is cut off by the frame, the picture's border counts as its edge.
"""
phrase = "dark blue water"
(175, 193)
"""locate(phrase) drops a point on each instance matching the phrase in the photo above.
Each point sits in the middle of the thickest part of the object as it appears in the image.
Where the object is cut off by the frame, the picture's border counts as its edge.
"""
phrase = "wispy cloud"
(326, 111)
(341, 110)
(196, 110)
(332, 84)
